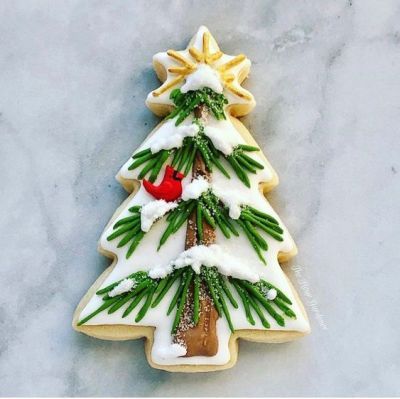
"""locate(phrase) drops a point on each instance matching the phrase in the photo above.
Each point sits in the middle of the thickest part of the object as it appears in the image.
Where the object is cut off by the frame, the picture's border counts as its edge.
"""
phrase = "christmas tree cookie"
(196, 246)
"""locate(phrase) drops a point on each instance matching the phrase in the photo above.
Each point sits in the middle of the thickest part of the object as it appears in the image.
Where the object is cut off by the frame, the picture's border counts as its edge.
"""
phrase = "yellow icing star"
(203, 50)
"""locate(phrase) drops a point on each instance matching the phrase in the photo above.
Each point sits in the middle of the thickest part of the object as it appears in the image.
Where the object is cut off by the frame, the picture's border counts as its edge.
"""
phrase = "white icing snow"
(159, 271)
(204, 76)
(233, 199)
(219, 139)
(124, 286)
(170, 351)
(271, 294)
(208, 256)
(175, 139)
(195, 188)
(153, 211)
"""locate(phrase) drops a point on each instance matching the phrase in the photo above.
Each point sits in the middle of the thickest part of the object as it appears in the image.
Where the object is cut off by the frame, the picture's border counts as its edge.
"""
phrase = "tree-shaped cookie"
(196, 245)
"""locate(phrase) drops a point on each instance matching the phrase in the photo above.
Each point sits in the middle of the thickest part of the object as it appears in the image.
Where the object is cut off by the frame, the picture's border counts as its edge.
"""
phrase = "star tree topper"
(202, 61)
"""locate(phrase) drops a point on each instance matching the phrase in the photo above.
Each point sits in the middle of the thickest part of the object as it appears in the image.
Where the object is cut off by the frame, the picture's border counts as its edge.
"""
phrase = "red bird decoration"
(170, 188)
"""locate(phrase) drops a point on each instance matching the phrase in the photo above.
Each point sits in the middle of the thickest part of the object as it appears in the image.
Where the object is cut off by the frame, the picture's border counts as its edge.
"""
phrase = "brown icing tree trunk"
(199, 340)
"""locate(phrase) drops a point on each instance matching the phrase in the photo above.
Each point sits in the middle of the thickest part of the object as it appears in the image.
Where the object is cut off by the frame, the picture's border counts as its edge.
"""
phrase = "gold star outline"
(186, 67)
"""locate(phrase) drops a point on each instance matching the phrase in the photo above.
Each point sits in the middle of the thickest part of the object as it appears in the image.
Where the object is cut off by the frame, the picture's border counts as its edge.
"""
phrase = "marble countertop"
(73, 78)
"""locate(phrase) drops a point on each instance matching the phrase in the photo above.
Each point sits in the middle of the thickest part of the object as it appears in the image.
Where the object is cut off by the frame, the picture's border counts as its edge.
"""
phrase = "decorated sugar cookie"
(196, 246)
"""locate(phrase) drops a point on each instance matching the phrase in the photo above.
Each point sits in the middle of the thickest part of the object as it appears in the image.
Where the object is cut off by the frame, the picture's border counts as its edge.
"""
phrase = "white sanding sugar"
(124, 286)
(160, 271)
(195, 188)
(231, 198)
(153, 211)
(209, 256)
(174, 139)
(204, 76)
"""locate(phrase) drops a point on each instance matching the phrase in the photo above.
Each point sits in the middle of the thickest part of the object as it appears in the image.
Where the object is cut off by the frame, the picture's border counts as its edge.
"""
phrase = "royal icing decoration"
(203, 76)
(170, 187)
(195, 188)
(208, 256)
(196, 248)
(124, 286)
(154, 210)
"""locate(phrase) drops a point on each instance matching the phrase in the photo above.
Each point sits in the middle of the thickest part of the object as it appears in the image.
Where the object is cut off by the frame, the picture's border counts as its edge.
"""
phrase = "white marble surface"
(73, 79)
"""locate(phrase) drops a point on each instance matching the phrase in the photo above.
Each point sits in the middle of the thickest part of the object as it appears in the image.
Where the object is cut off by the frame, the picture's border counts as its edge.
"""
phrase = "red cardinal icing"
(170, 188)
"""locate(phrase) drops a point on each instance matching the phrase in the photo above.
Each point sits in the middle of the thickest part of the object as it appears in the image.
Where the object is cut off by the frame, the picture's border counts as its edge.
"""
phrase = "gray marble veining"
(73, 79)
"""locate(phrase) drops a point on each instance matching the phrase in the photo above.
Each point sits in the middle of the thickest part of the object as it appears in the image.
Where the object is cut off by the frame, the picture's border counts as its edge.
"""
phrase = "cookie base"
(123, 332)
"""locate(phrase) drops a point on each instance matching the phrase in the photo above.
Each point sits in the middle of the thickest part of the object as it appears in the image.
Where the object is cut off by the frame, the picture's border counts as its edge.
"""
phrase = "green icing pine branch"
(199, 299)
(183, 158)
(188, 300)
